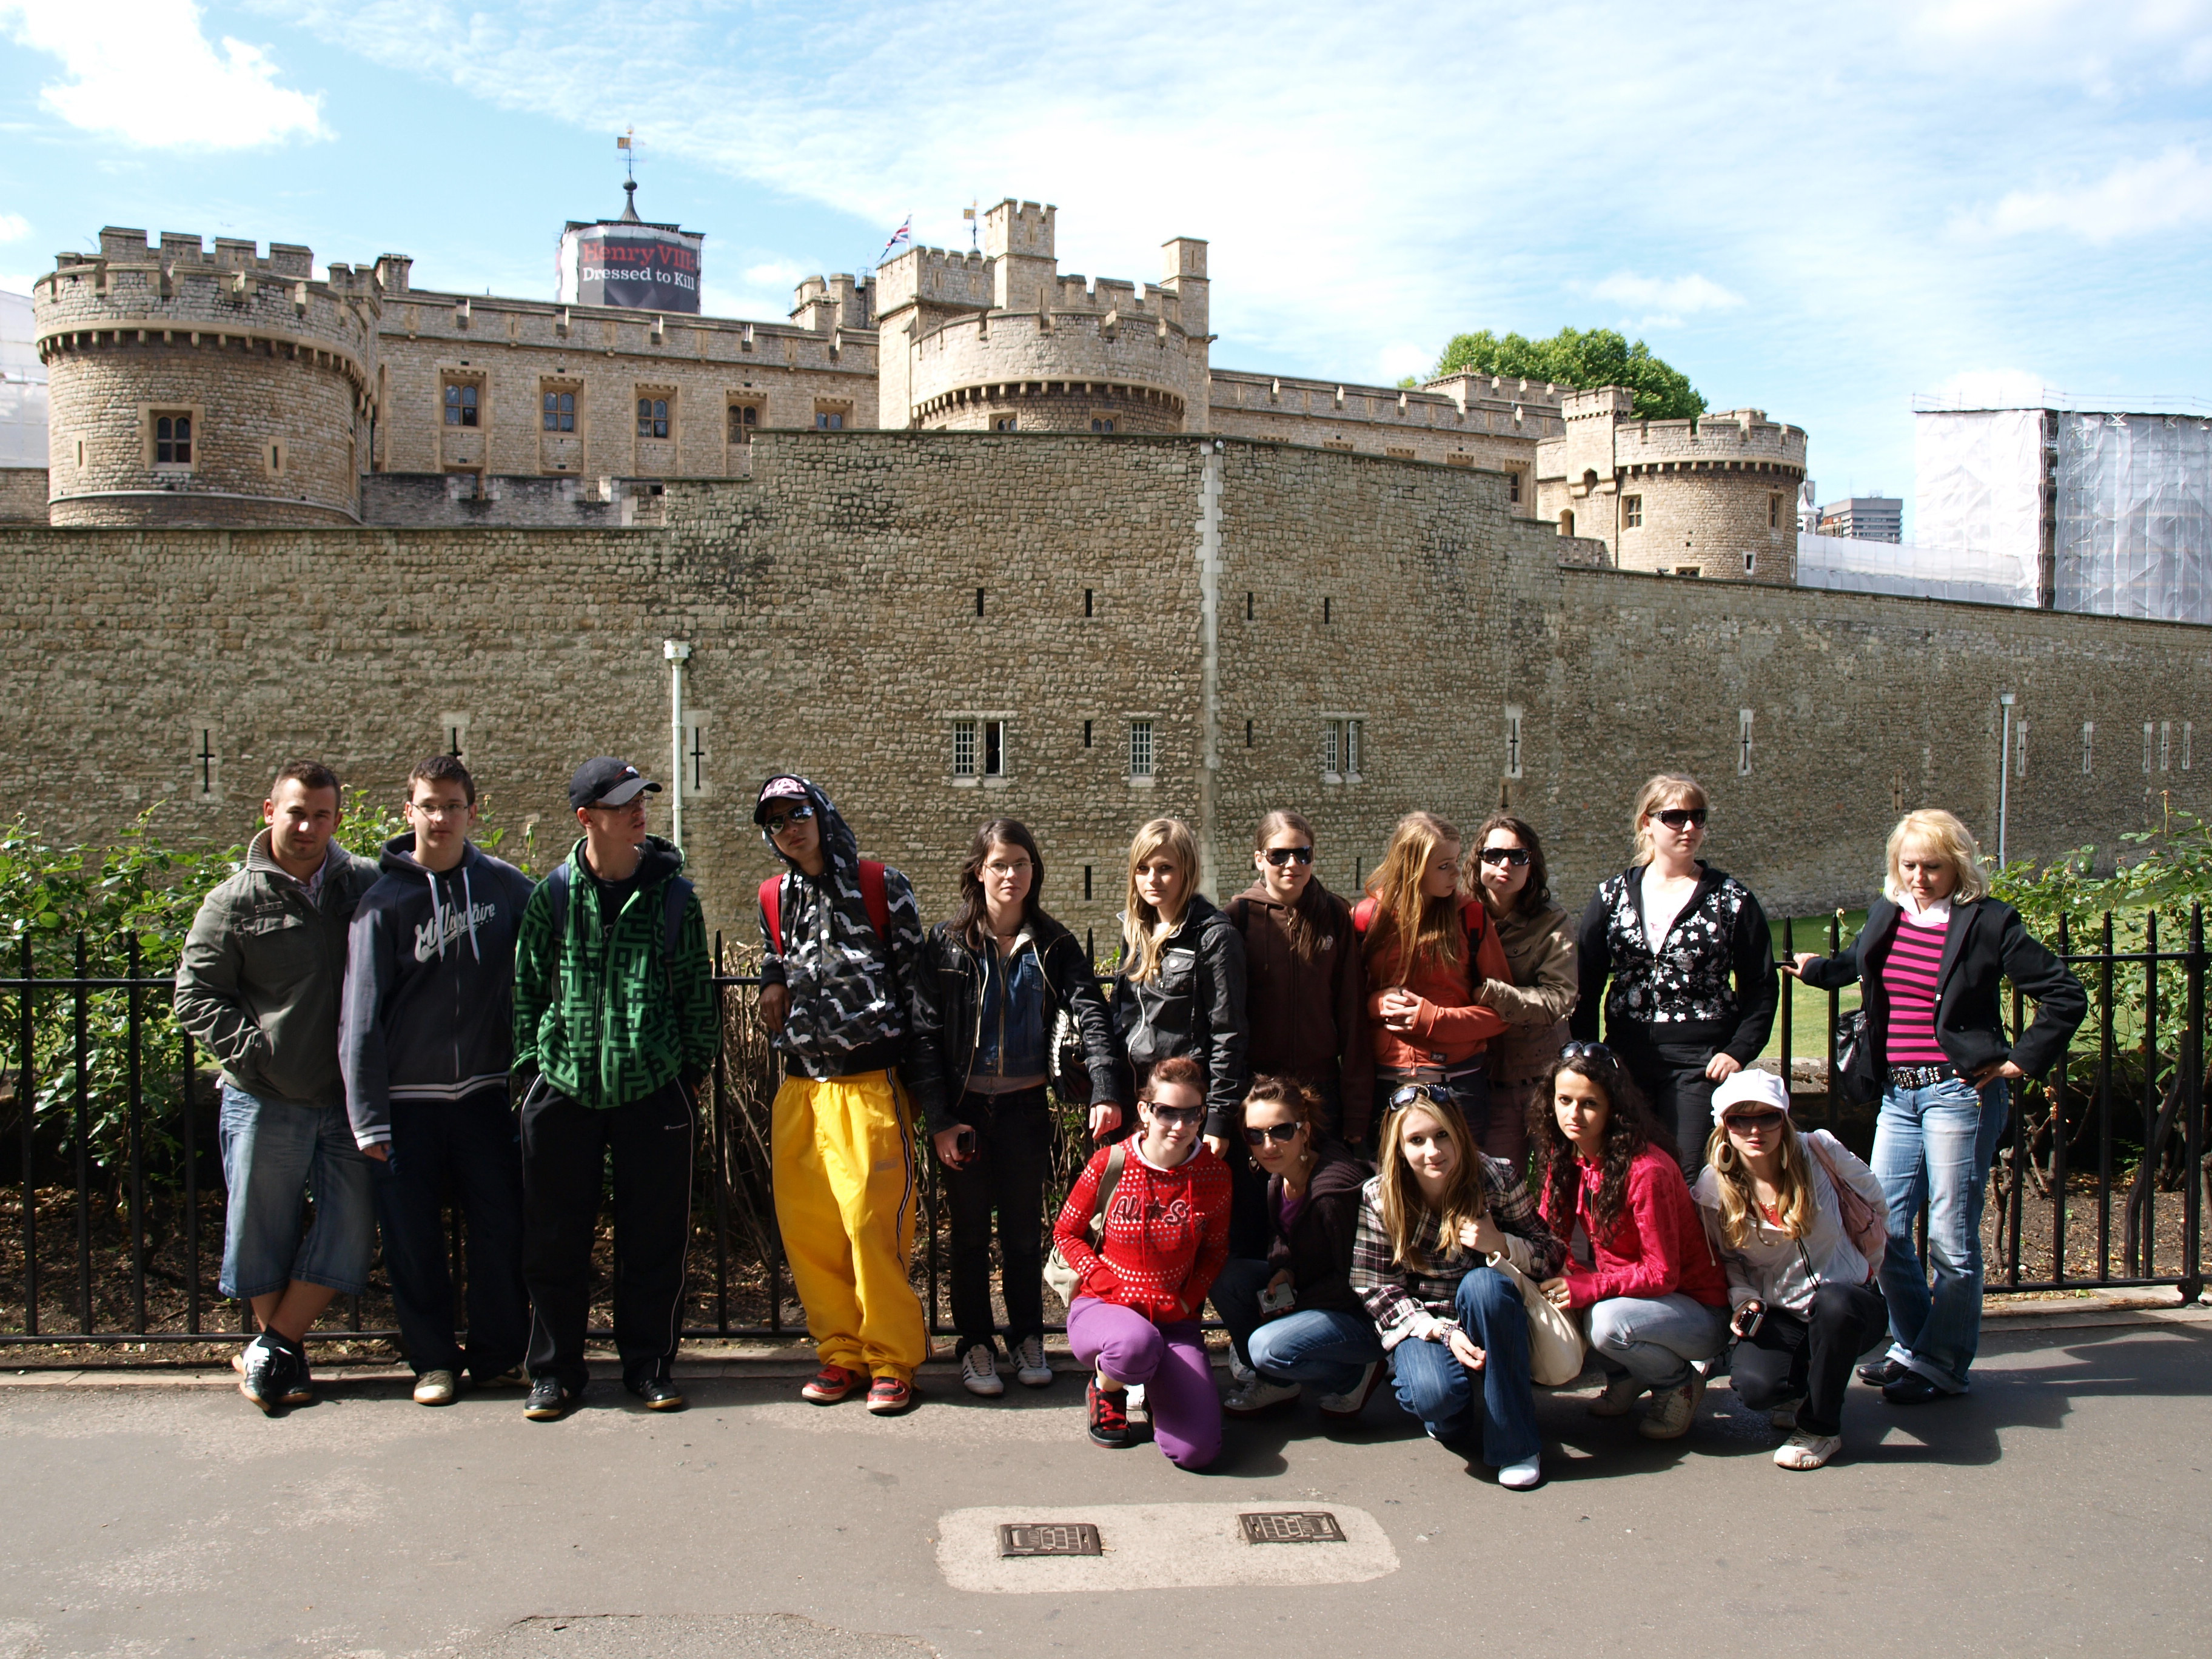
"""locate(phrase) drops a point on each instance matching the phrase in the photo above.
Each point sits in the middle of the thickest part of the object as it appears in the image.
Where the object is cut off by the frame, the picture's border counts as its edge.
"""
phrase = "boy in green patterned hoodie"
(614, 1030)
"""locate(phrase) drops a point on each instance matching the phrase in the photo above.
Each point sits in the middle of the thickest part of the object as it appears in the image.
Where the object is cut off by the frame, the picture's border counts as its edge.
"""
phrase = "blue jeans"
(1324, 1347)
(1435, 1387)
(1936, 1143)
(1655, 1338)
(274, 1157)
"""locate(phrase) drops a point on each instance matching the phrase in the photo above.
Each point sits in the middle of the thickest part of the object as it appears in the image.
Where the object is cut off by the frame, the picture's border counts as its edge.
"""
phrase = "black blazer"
(1986, 943)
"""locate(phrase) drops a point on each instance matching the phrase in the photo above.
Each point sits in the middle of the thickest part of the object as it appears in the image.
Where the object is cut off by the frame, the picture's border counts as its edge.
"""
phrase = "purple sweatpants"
(1170, 1360)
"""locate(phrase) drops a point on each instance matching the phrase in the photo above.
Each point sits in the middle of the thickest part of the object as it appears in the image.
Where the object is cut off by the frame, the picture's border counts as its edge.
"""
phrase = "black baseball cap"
(606, 782)
(783, 786)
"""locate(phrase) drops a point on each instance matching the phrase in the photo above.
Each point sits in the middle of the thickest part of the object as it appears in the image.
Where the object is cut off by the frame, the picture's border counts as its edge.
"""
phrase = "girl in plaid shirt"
(1431, 1223)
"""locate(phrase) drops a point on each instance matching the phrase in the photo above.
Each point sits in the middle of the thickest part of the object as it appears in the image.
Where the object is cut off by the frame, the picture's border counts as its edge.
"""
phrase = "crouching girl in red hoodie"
(1638, 1263)
(1165, 1235)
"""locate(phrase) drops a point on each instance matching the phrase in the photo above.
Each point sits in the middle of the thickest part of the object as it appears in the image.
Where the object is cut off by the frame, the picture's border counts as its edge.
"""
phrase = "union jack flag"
(902, 237)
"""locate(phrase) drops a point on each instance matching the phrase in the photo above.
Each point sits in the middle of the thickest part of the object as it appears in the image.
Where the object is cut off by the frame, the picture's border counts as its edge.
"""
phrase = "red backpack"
(871, 896)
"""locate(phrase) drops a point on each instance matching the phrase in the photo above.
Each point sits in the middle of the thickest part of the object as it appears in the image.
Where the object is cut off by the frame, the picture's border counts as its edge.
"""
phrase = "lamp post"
(678, 653)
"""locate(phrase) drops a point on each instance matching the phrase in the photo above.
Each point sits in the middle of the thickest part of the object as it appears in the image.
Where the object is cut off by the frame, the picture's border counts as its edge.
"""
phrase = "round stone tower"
(190, 390)
(1713, 497)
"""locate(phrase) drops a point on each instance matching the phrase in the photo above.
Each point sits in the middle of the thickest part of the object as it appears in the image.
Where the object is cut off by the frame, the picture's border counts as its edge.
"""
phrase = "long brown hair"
(1410, 927)
(1411, 1224)
(1144, 931)
(1536, 890)
(1629, 1129)
(971, 920)
(1739, 1203)
(1313, 919)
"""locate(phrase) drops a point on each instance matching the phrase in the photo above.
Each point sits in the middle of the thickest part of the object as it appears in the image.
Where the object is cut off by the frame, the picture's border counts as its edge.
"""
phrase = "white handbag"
(1555, 1346)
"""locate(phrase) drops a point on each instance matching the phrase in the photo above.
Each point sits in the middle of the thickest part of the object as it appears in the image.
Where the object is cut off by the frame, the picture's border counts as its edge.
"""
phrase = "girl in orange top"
(1428, 951)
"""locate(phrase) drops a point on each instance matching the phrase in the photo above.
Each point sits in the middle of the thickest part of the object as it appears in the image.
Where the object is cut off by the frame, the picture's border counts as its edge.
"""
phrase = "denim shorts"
(274, 1157)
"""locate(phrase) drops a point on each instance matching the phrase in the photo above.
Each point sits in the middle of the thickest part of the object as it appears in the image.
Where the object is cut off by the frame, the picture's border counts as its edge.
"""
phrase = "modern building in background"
(1875, 517)
(22, 386)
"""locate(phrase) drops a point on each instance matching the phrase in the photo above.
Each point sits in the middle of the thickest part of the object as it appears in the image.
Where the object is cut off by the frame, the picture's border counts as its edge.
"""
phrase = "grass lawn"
(1808, 1008)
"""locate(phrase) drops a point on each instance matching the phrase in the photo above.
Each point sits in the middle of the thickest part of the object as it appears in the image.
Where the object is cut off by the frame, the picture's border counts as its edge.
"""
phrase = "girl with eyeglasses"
(1292, 1317)
(1506, 869)
(1164, 1236)
(1677, 955)
(994, 981)
(1640, 1269)
(1430, 951)
(1803, 1294)
(1432, 1221)
(1305, 985)
(1179, 990)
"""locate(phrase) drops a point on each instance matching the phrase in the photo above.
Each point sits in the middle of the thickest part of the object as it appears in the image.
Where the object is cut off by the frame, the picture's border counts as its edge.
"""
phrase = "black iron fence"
(114, 1179)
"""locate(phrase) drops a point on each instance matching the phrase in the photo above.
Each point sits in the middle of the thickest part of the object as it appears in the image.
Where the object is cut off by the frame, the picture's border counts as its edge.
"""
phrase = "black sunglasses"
(776, 824)
(1177, 1115)
(1515, 856)
(1768, 1120)
(1281, 1133)
(1586, 1051)
(1676, 817)
(1280, 856)
(1418, 1094)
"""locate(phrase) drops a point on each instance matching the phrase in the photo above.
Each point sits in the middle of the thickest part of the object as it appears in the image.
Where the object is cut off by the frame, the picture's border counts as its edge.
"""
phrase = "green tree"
(1582, 358)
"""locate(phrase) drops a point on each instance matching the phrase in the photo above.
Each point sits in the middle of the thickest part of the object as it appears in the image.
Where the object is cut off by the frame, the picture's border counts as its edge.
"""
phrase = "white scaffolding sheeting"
(2135, 516)
(1847, 566)
(22, 386)
(1979, 482)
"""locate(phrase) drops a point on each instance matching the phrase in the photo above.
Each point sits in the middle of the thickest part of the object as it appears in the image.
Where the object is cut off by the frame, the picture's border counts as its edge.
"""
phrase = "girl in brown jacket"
(1505, 867)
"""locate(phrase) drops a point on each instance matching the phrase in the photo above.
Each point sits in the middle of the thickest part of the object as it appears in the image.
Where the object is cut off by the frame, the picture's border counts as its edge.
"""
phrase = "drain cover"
(1057, 1538)
(1291, 1527)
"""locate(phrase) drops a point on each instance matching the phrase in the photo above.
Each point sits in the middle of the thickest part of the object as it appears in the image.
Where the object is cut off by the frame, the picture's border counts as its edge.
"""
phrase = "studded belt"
(1921, 1077)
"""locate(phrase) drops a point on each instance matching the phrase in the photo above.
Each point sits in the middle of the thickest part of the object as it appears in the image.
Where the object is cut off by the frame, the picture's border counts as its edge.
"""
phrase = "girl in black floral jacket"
(1692, 965)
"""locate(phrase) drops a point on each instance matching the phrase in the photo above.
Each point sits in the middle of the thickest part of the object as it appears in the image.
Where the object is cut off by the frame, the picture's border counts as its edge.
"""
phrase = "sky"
(1821, 211)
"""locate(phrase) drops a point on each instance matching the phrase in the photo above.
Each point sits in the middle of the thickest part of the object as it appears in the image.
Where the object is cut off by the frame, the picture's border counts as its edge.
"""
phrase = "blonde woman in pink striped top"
(1931, 963)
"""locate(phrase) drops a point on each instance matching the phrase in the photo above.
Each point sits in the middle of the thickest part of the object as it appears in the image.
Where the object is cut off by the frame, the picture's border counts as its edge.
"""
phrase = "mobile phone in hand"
(963, 1145)
(1747, 1319)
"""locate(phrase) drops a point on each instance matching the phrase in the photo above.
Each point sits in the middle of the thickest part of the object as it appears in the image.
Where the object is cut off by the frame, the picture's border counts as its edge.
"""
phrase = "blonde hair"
(1408, 1222)
(1402, 909)
(1144, 931)
(1660, 792)
(1739, 1204)
(1951, 839)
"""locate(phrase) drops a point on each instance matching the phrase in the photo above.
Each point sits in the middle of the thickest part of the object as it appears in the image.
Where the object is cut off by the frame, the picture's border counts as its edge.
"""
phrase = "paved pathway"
(2064, 1506)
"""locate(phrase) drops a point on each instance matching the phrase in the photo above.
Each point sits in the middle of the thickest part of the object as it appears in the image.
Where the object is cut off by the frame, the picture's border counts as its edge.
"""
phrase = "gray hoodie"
(429, 988)
(1780, 1270)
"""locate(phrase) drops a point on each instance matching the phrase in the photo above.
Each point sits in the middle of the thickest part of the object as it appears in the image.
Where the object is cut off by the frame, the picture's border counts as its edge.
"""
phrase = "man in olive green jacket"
(258, 987)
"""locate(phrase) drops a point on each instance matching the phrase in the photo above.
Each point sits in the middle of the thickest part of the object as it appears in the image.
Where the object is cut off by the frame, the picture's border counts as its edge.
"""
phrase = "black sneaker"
(1880, 1373)
(299, 1385)
(1109, 1421)
(268, 1372)
(660, 1393)
(1911, 1390)
(549, 1400)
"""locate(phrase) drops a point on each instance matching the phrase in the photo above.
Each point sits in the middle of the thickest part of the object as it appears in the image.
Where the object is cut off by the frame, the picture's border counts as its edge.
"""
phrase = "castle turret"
(192, 389)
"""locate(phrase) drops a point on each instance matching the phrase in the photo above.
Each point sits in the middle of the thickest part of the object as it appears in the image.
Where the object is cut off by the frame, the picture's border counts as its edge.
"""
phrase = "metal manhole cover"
(1291, 1527)
(1055, 1538)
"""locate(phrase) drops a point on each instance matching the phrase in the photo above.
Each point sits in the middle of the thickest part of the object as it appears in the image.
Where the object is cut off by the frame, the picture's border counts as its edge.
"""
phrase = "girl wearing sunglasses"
(1434, 1217)
(1429, 950)
(1678, 956)
(1164, 1234)
(1305, 986)
(1506, 869)
(1803, 1294)
(1292, 1317)
(1640, 1267)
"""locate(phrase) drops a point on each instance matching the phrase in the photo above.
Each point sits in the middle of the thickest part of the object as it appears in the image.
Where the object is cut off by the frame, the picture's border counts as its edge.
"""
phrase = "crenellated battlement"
(934, 275)
(1736, 434)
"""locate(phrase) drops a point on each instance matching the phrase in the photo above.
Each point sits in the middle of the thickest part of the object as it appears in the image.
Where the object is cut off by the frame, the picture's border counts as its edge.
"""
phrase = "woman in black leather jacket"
(995, 979)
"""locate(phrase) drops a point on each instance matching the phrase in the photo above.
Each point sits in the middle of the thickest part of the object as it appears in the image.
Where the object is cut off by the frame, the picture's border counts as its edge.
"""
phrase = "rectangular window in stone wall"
(2019, 749)
(1341, 744)
(2188, 729)
(560, 408)
(1774, 512)
(995, 749)
(1512, 741)
(2165, 745)
(463, 401)
(2146, 745)
(1632, 512)
(2088, 736)
(744, 420)
(1140, 749)
(832, 415)
(203, 745)
(964, 749)
(653, 416)
(173, 439)
(1513, 487)
(694, 774)
(1743, 743)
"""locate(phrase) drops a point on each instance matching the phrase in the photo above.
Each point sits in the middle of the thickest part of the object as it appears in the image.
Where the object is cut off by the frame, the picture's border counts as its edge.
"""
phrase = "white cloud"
(2174, 189)
(144, 72)
(1663, 301)
(1993, 388)
(1399, 359)
(14, 226)
(778, 273)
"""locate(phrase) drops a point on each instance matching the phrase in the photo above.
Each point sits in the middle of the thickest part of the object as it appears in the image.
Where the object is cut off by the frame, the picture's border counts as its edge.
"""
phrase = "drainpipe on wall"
(2004, 772)
(1209, 674)
(677, 655)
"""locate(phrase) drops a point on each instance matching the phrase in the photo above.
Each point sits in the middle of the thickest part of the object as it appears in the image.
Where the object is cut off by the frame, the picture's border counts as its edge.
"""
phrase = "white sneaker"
(434, 1388)
(1030, 1368)
(1240, 1373)
(979, 1372)
(1519, 1477)
(1257, 1395)
(1619, 1398)
(1784, 1416)
(1807, 1451)
(1350, 1405)
(1673, 1411)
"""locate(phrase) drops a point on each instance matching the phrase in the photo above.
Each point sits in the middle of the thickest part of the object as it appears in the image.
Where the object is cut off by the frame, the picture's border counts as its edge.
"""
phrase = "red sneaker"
(888, 1395)
(1109, 1422)
(832, 1384)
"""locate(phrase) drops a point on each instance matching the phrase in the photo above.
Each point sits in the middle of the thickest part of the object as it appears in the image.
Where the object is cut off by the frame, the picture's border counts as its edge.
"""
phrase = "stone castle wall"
(22, 495)
(1243, 598)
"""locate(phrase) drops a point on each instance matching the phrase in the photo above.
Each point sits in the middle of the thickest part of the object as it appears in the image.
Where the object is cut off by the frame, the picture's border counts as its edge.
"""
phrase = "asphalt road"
(2062, 1506)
